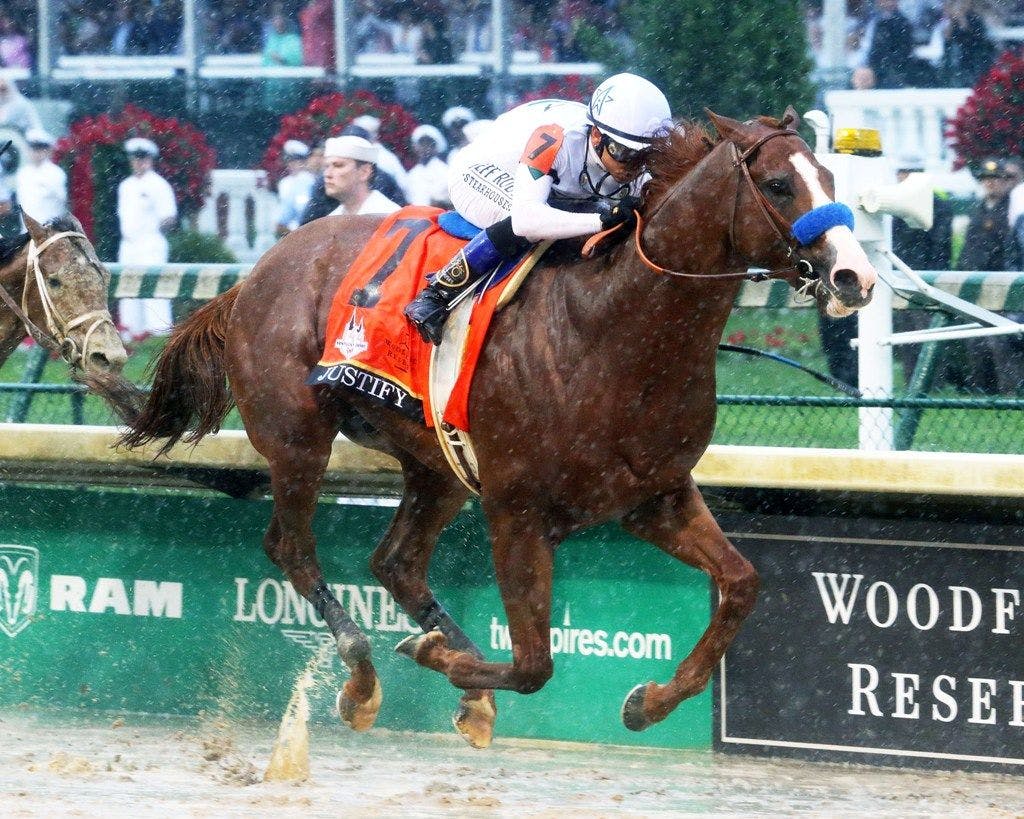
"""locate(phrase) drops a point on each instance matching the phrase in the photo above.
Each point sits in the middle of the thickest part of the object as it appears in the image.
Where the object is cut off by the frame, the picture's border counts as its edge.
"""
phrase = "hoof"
(417, 646)
(360, 716)
(633, 716)
(474, 720)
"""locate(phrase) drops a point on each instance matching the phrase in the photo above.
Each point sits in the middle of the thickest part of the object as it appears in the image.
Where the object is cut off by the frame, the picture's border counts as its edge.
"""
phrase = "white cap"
(37, 136)
(455, 113)
(351, 147)
(141, 145)
(293, 149)
(429, 132)
(368, 123)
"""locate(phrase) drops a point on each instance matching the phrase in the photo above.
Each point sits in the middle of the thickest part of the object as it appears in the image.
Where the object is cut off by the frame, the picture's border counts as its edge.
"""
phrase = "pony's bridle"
(58, 338)
(781, 226)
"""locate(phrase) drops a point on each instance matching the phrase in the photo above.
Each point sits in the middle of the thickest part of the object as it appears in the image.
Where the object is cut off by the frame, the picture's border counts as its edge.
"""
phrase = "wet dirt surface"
(66, 763)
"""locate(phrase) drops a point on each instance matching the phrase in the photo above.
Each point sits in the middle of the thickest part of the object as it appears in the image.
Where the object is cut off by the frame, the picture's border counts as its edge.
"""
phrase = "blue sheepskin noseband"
(815, 222)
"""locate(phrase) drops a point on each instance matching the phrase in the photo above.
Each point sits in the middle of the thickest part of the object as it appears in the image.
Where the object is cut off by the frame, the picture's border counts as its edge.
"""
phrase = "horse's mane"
(674, 155)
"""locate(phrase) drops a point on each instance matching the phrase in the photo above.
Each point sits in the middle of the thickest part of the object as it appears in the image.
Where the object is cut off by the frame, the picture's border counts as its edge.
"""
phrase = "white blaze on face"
(849, 254)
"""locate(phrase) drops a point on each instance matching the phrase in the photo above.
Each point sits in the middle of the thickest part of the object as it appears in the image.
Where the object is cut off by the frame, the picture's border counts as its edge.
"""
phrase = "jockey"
(548, 169)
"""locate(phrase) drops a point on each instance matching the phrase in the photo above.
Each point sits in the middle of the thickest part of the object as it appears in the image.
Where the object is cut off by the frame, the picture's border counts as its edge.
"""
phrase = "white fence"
(912, 122)
(242, 211)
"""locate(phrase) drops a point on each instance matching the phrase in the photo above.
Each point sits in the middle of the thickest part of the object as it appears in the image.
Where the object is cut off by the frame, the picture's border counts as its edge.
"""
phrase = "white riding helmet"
(630, 110)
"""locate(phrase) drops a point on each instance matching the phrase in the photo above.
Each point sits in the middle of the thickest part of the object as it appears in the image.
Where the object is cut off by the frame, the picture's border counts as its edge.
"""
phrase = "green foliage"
(739, 58)
(192, 247)
(109, 166)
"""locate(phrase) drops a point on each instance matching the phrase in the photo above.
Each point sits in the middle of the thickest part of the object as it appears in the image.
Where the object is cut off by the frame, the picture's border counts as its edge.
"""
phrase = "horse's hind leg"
(682, 526)
(297, 464)
(429, 503)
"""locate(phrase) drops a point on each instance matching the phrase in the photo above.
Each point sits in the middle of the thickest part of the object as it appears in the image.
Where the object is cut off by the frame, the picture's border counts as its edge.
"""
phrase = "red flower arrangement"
(93, 156)
(571, 87)
(991, 121)
(327, 115)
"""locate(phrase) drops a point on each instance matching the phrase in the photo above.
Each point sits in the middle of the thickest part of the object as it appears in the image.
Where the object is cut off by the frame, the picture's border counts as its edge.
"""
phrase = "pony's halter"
(59, 327)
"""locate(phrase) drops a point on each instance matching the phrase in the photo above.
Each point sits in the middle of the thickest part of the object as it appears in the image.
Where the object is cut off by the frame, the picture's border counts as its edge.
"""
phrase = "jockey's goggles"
(622, 153)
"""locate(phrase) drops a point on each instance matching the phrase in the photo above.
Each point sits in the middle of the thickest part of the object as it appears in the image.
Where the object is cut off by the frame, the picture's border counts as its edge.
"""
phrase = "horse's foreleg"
(682, 526)
(290, 544)
(400, 562)
(523, 557)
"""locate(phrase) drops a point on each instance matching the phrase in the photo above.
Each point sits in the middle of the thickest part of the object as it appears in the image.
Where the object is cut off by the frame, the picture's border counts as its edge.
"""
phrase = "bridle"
(57, 339)
(782, 227)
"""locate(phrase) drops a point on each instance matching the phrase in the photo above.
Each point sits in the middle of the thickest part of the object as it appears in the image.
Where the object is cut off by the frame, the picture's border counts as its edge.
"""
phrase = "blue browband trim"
(815, 222)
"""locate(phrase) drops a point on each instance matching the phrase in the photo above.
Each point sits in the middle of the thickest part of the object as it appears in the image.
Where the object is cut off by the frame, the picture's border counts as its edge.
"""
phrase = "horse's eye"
(778, 187)
(53, 281)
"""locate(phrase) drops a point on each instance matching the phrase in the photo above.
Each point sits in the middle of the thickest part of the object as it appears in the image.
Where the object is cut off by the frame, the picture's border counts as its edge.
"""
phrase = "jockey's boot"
(429, 310)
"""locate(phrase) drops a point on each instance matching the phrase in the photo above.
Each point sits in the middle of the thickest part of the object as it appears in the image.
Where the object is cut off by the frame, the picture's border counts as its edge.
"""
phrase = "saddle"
(372, 350)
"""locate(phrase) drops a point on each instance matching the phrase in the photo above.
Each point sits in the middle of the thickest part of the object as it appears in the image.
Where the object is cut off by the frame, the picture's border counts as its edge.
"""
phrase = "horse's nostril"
(845, 280)
(99, 361)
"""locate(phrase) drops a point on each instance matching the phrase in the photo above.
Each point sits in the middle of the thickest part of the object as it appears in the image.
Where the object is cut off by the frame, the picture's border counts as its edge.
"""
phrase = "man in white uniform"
(42, 186)
(428, 178)
(146, 210)
(349, 166)
(548, 170)
(386, 159)
(294, 189)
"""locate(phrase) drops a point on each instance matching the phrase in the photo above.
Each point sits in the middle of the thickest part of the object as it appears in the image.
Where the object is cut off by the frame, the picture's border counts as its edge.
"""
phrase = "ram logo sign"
(19, 587)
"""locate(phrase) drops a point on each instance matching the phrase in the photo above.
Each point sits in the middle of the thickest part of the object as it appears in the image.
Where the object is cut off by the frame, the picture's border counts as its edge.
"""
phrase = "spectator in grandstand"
(565, 24)
(282, 47)
(967, 50)
(435, 46)
(146, 210)
(295, 187)
(372, 33)
(428, 178)
(888, 45)
(454, 120)
(386, 159)
(477, 27)
(316, 23)
(349, 166)
(15, 50)
(406, 35)
(15, 110)
(42, 186)
(123, 39)
(863, 78)
(159, 29)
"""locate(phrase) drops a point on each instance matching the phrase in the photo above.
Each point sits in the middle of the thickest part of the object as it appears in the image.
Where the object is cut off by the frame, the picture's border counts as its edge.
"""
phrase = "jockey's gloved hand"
(617, 212)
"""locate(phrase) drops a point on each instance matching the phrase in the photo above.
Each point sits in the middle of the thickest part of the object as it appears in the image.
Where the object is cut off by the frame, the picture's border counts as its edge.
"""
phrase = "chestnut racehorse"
(593, 400)
(54, 288)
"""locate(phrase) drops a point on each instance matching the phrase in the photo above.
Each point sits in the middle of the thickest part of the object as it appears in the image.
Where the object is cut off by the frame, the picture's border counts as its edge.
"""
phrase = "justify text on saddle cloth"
(554, 197)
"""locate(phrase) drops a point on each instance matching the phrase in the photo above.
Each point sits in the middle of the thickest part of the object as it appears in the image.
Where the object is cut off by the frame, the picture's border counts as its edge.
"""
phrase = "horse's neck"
(688, 233)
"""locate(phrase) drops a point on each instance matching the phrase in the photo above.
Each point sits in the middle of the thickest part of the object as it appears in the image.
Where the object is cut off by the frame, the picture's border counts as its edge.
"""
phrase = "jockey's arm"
(534, 219)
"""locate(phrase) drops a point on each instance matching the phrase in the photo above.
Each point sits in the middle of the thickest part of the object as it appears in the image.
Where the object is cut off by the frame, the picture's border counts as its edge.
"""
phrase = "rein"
(776, 220)
(57, 339)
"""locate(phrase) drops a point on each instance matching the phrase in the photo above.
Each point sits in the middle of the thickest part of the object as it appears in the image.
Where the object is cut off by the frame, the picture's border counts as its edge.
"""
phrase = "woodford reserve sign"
(886, 641)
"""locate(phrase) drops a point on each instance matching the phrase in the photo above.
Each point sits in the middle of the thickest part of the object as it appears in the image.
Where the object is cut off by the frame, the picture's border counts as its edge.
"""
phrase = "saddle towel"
(371, 348)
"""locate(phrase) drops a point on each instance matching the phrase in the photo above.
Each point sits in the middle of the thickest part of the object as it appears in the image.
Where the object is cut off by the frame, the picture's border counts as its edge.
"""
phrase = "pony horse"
(593, 399)
(54, 288)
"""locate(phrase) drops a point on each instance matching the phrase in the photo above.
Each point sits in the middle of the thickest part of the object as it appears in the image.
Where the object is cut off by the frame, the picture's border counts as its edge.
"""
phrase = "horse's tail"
(190, 394)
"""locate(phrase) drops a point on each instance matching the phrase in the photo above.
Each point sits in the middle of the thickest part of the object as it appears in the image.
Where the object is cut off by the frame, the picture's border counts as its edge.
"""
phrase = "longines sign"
(897, 641)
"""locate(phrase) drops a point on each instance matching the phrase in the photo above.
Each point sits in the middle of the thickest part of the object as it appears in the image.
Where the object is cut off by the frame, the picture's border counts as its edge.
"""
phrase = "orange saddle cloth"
(371, 348)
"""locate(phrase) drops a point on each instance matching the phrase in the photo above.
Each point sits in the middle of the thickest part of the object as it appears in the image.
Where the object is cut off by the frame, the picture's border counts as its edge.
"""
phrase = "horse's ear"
(35, 230)
(729, 129)
(791, 119)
